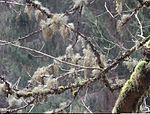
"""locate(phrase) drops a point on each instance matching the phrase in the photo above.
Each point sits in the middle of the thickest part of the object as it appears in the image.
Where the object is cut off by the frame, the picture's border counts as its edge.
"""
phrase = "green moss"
(126, 88)
(138, 69)
(130, 83)
(140, 66)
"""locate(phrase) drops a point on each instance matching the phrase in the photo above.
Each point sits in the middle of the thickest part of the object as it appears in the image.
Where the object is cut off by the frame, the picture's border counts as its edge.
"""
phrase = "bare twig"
(30, 34)
(133, 13)
(13, 3)
(90, 3)
(69, 72)
(87, 107)
(32, 106)
(67, 104)
(58, 110)
(140, 24)
(20, 108)
(127, 54)
(15, 86)
(50, 56)
(108, 10)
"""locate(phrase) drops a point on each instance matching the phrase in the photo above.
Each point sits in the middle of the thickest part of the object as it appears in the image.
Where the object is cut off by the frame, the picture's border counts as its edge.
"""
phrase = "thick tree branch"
(134, 89)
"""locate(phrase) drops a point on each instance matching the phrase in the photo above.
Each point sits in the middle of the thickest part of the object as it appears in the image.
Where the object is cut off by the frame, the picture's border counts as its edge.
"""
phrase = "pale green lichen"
(82, 82)
(138, 69)
(61, 87)
(130, 83)
(126, 88)
(140, 66)
(74, 93)
(148, 44)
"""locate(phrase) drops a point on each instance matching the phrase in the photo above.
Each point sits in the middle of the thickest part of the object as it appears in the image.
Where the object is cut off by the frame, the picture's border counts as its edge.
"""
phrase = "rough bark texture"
(133, 89)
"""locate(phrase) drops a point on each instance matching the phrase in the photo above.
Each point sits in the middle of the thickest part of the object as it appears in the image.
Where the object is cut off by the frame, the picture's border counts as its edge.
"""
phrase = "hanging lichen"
(121, 22)
(131, 63)
(3, 89)
(29, 11)
(38, 76)
(57, 21)
(47, 31)
(52, 83)
(119, 6)
(38, 15)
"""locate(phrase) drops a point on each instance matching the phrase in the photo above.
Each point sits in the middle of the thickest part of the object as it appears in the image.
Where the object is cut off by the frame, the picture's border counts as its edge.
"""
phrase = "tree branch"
(133, 90)
(13, 3)
(85, 82)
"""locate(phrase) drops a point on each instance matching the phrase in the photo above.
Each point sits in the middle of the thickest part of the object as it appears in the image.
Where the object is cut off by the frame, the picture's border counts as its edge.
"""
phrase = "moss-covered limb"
(133, 89)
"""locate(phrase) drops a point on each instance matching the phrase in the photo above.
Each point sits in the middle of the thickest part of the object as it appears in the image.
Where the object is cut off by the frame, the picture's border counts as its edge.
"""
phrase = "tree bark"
(133, 89)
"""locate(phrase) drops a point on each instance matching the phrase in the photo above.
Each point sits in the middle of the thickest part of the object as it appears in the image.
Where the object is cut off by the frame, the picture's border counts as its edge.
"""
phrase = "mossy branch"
(133, 89)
